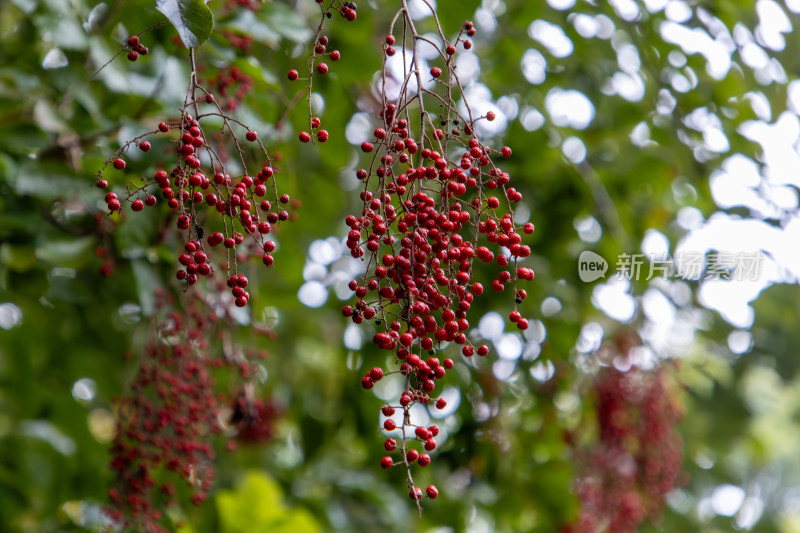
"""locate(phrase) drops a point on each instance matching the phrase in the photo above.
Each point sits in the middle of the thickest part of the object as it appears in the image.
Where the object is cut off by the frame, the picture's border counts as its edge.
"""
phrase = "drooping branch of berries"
(218, 199)
(162, 448)
(316, 64)
(434, 200)
(636, 459)
(223, 204)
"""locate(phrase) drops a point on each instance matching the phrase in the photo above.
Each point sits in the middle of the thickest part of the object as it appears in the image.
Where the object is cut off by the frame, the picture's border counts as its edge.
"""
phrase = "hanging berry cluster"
(162, 447)
(317, 63)
(433, 201)
(223, 202)
(223, 218)
(636, 460)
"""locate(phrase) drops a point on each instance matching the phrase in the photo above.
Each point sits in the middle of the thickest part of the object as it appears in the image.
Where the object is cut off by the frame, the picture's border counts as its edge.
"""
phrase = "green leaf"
(192, 18)
(256, 506)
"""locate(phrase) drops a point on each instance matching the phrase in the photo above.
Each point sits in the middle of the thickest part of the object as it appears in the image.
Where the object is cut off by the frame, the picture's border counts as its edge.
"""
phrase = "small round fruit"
(137, 205)
(251, 136)
(119, 163)
(432, 492)
(293, 75)
(144, 146)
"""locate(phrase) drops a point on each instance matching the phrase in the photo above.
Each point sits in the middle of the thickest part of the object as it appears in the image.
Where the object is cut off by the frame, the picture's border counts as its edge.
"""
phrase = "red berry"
(133, 40)
(424, 459)
(432, 492)
(293, 75)
(304, 137)
(101, 184)
(133, 55)
(335, 55)
(137, 205)
(490, 116)
(144, 146)
(415, 494)
(386, 462)
(163, 127)
(436, 72)
(367, 147)
(390, 445)
(367, 383)
(388, 424)
(322, 68)
(119, 163)
(376, 374)
(251, 136)
(506, 151)
(322, 136)
(390, 40)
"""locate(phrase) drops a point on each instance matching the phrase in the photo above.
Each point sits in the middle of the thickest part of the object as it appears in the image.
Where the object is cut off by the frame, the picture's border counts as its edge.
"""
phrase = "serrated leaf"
(192, 18)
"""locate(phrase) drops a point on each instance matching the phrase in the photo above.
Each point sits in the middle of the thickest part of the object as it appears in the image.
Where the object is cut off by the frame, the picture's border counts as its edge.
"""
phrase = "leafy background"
(504, 465)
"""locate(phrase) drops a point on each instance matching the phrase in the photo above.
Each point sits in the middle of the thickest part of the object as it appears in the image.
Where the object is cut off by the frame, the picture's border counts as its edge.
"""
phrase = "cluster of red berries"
(315, 66)
(187, 189)
(322, 135)
(427, 205)
(172, 410)
(136, 48)
(232, 86)
(240, 41)
(252, 5)
(166, 421)
(346, 9)
(636, 460)
(321, 68)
